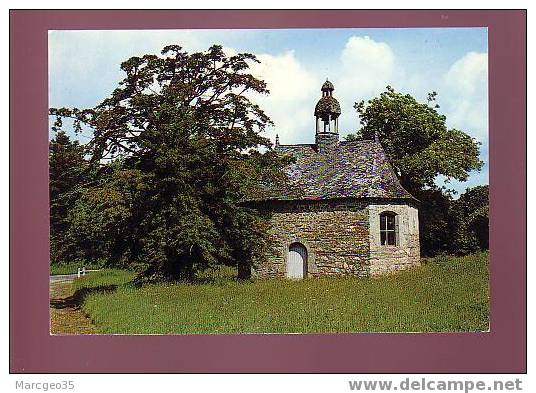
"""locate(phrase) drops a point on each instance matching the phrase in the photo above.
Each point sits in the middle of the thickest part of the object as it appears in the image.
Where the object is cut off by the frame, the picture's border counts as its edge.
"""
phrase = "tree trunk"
(244, 270)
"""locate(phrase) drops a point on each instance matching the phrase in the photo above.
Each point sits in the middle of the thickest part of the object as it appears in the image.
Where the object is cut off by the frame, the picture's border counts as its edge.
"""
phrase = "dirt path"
(66, 317)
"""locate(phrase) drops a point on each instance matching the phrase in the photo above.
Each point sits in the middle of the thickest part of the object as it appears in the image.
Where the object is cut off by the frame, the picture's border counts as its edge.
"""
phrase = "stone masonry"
(341, 238)
(386, 259)
(335, 235)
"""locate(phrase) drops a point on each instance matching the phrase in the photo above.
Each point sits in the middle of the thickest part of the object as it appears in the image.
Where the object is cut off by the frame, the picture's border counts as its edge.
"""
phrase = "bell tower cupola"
(327, 111)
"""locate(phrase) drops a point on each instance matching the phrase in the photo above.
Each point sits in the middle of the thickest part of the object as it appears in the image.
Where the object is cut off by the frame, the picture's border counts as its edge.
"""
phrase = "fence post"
(78, 273)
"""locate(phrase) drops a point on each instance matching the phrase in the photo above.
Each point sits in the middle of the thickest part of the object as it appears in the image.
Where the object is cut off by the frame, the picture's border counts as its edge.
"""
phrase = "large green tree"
(420, 148)
(187, 149)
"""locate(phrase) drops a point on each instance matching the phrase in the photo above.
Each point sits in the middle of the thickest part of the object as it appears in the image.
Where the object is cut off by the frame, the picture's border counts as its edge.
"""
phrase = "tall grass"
(443, 295)
(104, 279)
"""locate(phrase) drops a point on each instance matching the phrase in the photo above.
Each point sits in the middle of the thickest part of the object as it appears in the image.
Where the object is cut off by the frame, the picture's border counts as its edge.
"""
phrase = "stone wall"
(335, 235)
(385, 259)
(337, 238)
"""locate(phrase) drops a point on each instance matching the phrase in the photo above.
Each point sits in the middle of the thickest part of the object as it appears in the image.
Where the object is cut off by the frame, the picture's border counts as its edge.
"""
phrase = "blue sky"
(84, 69)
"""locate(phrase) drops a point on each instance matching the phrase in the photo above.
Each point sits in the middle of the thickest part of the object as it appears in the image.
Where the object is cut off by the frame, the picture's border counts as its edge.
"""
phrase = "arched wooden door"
(297, 261)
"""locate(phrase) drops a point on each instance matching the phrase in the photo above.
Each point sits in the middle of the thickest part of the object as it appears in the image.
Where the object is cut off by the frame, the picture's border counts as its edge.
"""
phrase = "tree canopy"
(175, 150)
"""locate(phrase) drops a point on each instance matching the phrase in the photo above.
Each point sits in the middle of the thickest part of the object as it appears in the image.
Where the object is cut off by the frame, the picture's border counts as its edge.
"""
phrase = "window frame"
(389, 229)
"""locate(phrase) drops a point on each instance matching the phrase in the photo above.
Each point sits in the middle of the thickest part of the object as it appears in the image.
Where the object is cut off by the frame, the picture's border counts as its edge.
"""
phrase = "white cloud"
(364, 69)
(469, 74)
(465, 87)
(292, 88)
(464, 101)
(367, 65)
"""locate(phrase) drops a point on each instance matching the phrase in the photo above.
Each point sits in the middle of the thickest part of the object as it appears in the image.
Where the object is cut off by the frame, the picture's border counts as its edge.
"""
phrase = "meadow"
(445, 294)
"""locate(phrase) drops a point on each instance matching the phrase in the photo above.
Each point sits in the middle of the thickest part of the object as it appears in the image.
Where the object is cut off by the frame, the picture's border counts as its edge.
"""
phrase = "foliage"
(71, 268)
(436, 226)
(67, 173)
(420, 148)
(471, 213)
(445, 294)
(473, 199)
(455, 226)
(185, 145)
(101, 218)
(416, 139)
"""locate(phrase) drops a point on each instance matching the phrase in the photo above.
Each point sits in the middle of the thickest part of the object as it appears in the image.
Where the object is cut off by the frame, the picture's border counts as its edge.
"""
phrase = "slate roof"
(357, 169)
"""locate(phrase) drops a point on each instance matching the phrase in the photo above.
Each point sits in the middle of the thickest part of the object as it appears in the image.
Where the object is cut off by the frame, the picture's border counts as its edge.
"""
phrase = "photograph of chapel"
(343, 210)
(268, 181)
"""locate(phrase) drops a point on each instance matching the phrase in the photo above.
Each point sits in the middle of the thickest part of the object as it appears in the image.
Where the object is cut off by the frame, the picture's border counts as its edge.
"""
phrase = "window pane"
(391, 222)
(388, 229)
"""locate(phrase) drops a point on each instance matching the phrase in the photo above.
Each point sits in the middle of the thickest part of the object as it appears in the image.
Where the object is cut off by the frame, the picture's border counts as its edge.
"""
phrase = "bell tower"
(327, 111)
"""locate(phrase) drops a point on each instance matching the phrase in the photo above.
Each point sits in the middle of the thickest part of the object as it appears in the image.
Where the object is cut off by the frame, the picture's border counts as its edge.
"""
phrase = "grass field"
(444, 294)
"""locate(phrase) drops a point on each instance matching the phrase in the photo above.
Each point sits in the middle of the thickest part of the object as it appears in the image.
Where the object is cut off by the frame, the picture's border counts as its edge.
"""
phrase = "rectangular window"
(388, 229)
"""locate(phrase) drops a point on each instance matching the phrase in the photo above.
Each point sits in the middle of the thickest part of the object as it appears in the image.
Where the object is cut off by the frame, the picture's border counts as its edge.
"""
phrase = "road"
(63, 278)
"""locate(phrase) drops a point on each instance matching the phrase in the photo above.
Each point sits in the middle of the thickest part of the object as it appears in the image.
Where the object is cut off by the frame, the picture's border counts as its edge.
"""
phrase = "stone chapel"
(342, 210)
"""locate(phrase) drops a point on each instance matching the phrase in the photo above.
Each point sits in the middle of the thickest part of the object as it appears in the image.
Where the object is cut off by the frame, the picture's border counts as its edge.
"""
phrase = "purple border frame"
(32, 349)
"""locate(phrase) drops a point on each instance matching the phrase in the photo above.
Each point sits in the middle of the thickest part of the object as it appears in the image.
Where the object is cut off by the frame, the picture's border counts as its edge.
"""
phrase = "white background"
(238, 383)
